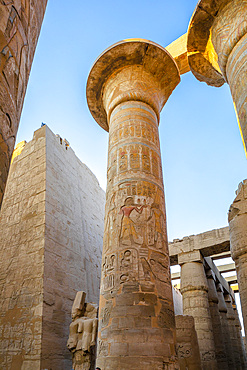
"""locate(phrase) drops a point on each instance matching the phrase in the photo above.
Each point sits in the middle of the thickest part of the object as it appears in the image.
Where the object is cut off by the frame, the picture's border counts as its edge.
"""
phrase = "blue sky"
(202, 153)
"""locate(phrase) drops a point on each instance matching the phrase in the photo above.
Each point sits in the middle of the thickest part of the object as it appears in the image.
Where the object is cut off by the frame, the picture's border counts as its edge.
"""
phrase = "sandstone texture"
(51, 231)
(20, 23)
(187, 343)
(127, 88)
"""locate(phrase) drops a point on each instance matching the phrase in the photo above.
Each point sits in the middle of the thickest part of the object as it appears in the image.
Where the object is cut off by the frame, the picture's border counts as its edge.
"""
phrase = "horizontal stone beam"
(209, 263)
(229, 267)
(178, 50)
(209, 243)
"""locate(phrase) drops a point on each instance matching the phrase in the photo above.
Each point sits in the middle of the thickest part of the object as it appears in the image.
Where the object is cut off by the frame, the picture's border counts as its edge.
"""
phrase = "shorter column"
(194, 289)
(225, 327)
(241, 347)
(187, 343)
(232, 330)
(237, 218)
(216, 322)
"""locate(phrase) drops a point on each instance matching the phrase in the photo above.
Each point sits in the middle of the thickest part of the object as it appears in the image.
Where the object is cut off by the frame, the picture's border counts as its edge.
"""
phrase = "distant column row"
(215, 314)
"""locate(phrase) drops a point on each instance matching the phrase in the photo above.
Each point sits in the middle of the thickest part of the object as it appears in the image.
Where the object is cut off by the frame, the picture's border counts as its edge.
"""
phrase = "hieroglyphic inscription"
(109, 271)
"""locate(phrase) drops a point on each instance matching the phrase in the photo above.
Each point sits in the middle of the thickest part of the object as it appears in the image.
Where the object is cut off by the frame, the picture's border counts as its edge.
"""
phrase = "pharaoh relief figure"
(83, 333)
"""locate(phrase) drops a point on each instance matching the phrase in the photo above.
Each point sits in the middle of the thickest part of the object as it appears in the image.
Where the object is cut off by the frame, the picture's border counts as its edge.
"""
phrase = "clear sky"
(202, 153)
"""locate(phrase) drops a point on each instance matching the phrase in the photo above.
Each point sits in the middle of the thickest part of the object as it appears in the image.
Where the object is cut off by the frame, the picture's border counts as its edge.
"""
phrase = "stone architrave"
(237, 218)
(194, 289)
(225, 327)
(217, 50)
(20, 23)
(126, 90)
(232, 330)
(220, 351)
(83, 333)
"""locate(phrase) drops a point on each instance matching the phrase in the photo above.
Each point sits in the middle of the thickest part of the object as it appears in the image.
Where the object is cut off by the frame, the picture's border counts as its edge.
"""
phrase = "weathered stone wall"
(22, 229)
(51, 231)
(20, 23)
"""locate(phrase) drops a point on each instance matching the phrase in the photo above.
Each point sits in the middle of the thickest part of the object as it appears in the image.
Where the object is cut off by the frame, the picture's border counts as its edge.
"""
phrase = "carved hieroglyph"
(127, 88)
(20, 22)
(217, 48)
(83, 333)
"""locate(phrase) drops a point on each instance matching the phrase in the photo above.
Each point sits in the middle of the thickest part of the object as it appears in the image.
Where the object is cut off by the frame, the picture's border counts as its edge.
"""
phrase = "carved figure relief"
(109, 234)
(156, 233)
(128, 234)
(83, 333)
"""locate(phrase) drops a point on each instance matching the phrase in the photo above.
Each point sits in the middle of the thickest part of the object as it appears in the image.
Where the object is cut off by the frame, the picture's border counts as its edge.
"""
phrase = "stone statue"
(83, 333)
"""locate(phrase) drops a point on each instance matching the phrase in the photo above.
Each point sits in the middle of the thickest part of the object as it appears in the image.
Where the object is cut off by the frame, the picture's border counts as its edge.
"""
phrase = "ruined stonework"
(51, 231)
(83, 333)
(20, 23)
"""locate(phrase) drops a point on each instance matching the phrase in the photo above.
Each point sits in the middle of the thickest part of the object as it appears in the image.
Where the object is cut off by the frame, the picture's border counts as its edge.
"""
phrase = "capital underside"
(135, 69)
(214, 30)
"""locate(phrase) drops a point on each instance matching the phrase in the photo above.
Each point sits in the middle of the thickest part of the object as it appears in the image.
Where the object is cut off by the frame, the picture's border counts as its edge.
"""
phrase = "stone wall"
(20, 23)
(51, 231)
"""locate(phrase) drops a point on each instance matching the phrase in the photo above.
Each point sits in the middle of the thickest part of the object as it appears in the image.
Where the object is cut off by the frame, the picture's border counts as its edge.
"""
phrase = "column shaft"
(136, 316)
(237, 218)
(19, 31)
(225, 328)
(241, 348)
(216, 323)
(232, 330)
(195, 303)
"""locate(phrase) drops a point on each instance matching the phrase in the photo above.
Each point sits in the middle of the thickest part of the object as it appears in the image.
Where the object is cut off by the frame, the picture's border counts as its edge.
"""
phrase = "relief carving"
(128, 265)
(128, 234)
(109, 271)
(106, 314)
(184, 350)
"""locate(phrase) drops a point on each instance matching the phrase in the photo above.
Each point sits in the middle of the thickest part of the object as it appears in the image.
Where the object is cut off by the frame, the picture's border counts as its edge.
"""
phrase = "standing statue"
(83, 333)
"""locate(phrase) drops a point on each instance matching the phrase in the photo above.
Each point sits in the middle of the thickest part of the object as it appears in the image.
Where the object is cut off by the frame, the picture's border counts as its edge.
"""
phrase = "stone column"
(20, 23)
(237, 218)
(194, 289)
(225, 327)
(241, 348)
(127, 88)
(217, 50)
(216, 323)
(232, 331)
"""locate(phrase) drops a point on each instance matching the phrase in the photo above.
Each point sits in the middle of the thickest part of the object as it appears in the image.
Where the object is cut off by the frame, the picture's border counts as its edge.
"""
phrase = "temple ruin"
(58, 243)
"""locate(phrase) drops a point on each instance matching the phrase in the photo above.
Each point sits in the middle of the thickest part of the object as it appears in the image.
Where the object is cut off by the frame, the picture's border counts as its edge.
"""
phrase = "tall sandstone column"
(217, 50)
(127, 88)
(194, 289)
(20, 23)
(237, 218)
